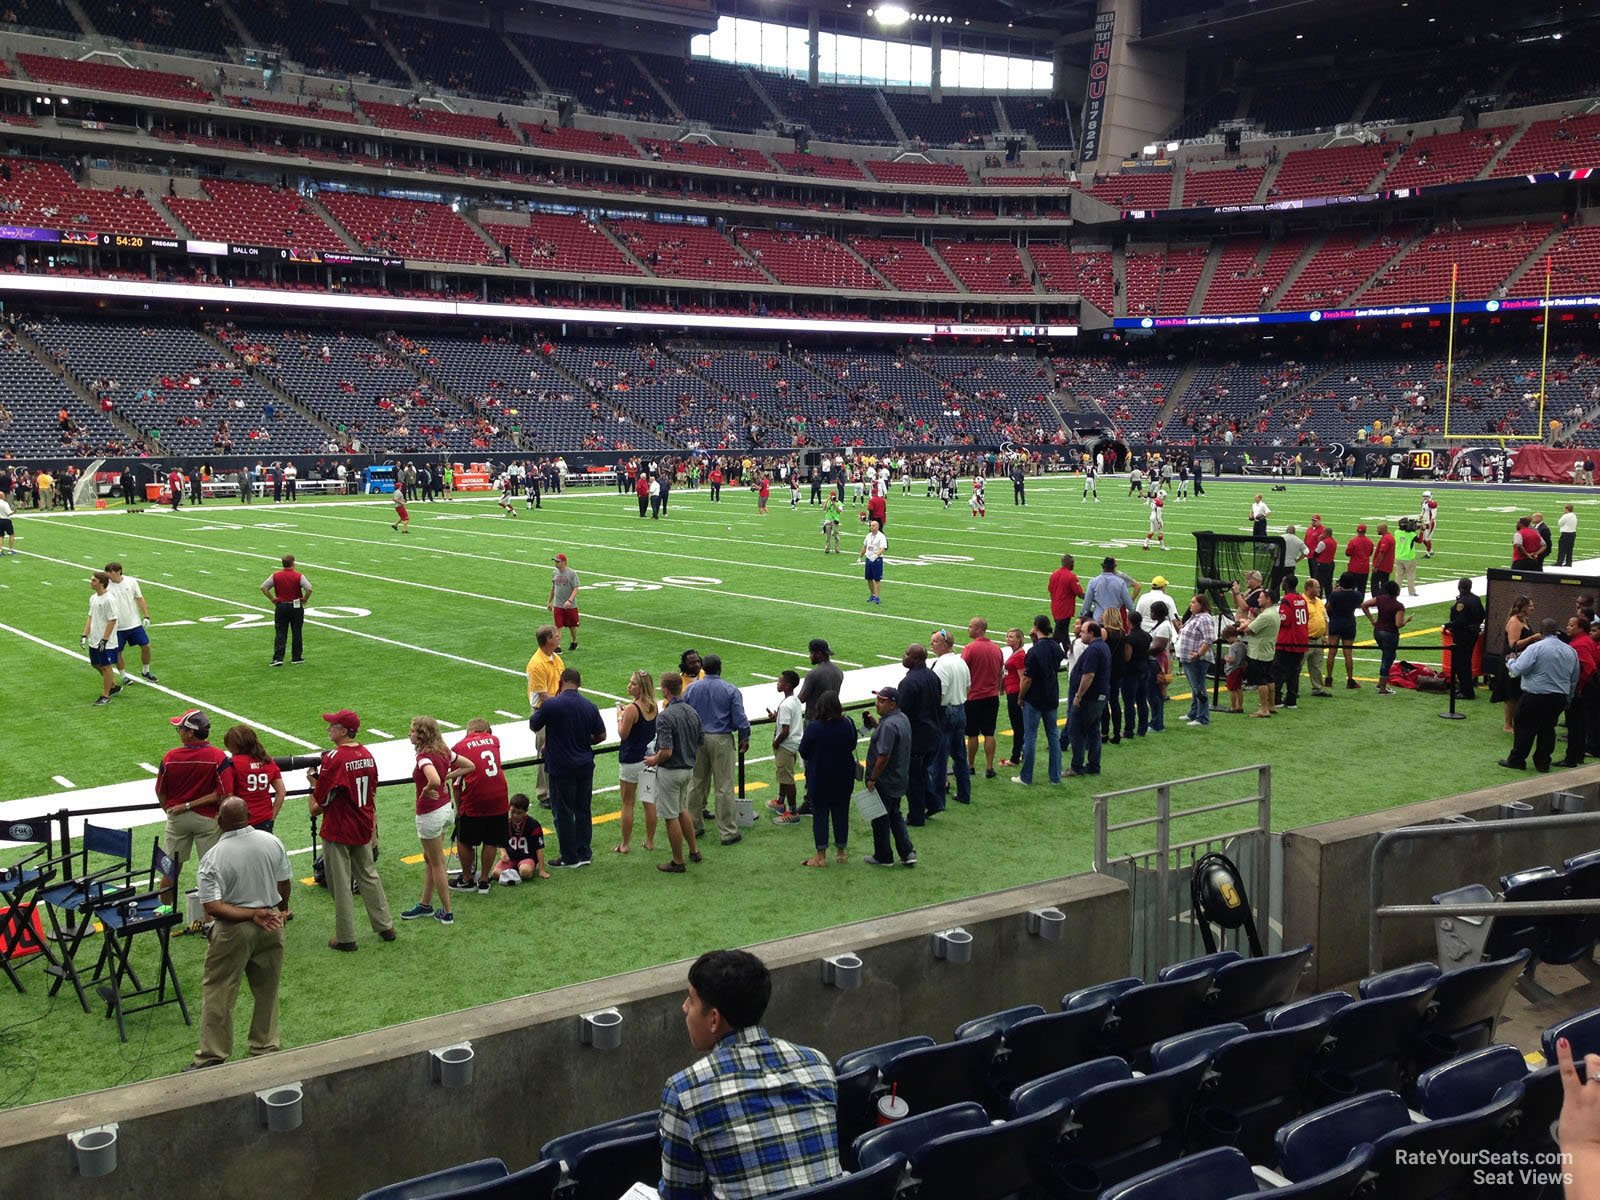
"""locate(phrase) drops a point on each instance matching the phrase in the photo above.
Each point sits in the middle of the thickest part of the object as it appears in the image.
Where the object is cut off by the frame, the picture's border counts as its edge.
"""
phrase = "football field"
(440, 621)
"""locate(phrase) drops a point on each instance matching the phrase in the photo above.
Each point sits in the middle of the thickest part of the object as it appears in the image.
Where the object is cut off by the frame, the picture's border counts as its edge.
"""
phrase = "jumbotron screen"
(1554, 594)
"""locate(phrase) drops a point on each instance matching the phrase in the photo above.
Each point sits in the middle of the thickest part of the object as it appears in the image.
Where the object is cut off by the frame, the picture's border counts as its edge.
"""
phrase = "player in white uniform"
(1135, 482)
(507, 491)
(905, 477)
(976, 503)
(1090, 471)
(1427, 523)
(1158, 519)
(860, 486)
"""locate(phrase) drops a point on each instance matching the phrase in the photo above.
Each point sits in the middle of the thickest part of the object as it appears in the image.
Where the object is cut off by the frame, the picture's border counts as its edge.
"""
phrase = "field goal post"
(1544, 364)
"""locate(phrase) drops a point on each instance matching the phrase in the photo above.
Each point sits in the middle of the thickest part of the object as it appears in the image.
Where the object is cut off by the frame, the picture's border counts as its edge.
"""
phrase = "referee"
(288, 590)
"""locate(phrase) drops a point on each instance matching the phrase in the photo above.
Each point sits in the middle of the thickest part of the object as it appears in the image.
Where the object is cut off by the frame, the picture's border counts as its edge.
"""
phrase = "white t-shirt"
(1565, 523)
(6, 511)
(102, 610)
(955, 679)
(872, 549)
(1259, 511)
(1165, 630)
(791, 713)
(125, 597)
(1153, 596)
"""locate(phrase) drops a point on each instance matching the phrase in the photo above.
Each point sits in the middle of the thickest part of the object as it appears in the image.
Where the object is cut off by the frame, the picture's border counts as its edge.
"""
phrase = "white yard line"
(77, 656)
(510, 716)
(63, 781)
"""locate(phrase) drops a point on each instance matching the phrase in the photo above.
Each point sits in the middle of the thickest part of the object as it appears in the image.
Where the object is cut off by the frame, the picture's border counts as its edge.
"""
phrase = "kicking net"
(1223, 559)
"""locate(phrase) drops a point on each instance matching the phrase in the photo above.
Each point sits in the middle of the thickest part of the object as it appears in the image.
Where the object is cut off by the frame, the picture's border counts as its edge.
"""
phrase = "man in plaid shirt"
(756, 1116)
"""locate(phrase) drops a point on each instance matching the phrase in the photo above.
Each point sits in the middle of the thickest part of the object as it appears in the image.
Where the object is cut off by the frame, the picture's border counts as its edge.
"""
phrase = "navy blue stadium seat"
(1118, 1124)
(1468, 1082)
(1582, 1030)
(997, 1022)
(1225, 1174)
(1583, 883)
(1245, 989)
(877, 1056)
(857, 1107)
(1366, 1041)
(1144, 1012)
(1004, 1159)
(1041, 1045)
(1398, 979)
(1254, 1082)
(442, 1183)
(877, 1182)
(930, 1077)
(900, 1139)
(1206, 964)
(605, 1170)
(537, 1182)
(1466, 1002)
(1308, 1011)
(566, 1148)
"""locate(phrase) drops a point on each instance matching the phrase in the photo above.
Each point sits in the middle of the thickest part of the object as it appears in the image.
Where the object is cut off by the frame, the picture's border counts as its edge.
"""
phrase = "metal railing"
(1496, 830)
(1158, 877)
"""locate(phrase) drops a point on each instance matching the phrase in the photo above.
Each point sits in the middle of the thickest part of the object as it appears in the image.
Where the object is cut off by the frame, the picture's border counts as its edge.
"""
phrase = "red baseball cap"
(559, 558)
(1361, 528)
(194, 721)
(343, 717)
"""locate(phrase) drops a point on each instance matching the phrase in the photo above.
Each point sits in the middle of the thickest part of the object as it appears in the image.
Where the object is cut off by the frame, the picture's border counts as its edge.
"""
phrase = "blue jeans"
(1083, 731)
(1198, 672)
(952, 749)
(1389, 643)
(1032, 718)
(1158, 706)
(1135, 686)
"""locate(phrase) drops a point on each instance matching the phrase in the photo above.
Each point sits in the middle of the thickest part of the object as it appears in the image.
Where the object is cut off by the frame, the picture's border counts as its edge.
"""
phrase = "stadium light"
(890, 14)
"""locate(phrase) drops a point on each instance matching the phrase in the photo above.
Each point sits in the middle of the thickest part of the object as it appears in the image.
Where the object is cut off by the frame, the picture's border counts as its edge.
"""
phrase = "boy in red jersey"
(344, 788)
(402, 517)
(524, 856)
(481, 807)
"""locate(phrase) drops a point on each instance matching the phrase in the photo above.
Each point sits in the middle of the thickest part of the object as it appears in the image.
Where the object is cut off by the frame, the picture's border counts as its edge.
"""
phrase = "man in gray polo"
(244, 885)
(678, 740)
(889, 767)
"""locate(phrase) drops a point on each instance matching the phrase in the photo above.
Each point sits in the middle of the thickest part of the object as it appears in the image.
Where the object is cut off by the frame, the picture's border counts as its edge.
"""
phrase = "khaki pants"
(1316, 659)
(188, 836)
(718, 755)
(340, 864)
(541, 781)
(240, 949)
(1405, 574)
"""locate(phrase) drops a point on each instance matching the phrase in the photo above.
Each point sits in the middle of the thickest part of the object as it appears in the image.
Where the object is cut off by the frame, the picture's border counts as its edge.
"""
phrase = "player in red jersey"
(344, 789)
(402, 517)
(481, 806)
(251, 775)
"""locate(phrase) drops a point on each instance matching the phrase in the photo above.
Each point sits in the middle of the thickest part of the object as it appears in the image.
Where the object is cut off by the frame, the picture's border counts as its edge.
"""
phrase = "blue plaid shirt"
(755, 1117)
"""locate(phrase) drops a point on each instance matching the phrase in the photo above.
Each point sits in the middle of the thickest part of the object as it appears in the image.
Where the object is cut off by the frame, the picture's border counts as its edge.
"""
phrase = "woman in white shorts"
(636, 727)
(436, 769)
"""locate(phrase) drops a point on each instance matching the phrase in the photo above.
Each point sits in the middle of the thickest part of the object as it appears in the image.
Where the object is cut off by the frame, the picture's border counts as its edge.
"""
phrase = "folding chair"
(125, 915)
(20, 885)
(76, 895)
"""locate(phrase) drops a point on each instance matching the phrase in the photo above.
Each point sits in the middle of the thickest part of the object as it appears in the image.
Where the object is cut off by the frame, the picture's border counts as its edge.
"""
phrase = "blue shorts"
(133, 637)
(103, 658)
(875, 569)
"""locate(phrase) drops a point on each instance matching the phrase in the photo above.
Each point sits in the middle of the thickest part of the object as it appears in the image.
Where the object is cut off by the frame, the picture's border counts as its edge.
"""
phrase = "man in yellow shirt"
(1316, 633)
(544, 681)
(47, 488)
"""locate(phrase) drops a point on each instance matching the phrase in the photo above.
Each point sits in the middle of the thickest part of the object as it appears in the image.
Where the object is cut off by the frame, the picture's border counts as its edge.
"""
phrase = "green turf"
(469, 585)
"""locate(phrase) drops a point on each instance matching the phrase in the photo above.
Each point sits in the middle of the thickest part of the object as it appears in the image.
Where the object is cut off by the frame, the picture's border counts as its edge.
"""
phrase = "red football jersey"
(347, 788)
(484, 792)
(188, 773)
(1293, 619)
(251, 780)
(441, 763)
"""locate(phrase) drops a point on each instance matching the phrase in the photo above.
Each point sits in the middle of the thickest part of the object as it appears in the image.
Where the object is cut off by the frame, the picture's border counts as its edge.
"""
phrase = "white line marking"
(148, 767)
(440, 721)
(161, 687)
(890, 657)
(759, 675)
(510, 716)
(63, 781)
(379, 733)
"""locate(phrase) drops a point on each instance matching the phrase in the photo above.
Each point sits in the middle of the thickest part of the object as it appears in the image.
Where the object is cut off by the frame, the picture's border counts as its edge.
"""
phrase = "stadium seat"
(1468, 1082)
(1466, 1001)
(877, 1182)
(1039, 1046)
(857, 1092)
(1225, 1174)
(537, 1182)
(899, 1139)
(1254, 1082)
(1583, 883)
(1410, 1160)
(877, 1056)
(936, 1076)
(1001, 1160)
(1144, 1013)
(996, 1022)
(1242, 989)
(1206, 964)
(1366, 1041)
(448, 1182)
(1120, 1124)
(1582, 1030)
(605, 1170)
(566, 1148)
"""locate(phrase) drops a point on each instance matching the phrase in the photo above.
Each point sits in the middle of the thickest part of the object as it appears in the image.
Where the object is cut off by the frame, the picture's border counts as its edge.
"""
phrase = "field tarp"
(1546, 465)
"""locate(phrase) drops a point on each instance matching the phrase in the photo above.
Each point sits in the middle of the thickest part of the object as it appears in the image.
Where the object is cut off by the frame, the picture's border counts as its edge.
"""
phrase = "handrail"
(1407, 833)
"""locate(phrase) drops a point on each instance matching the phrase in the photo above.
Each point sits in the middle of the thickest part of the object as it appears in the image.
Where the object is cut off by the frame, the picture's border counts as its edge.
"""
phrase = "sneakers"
(989, 774)
(786, 818)
(150, 677)
(417, 910)
(445, 918)
(873, 862)
(775, 806)
(103, 700)
(483, 887)
(463, 883)
(672, 868)
(1019, 779)
(909, 860)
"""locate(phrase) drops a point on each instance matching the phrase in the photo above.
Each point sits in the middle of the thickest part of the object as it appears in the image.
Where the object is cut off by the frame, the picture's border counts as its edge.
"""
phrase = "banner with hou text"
(1094, 104)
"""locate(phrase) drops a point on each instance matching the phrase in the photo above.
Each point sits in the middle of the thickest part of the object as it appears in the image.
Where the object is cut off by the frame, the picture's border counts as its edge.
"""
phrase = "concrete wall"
(372, 1115)
(1327, 869)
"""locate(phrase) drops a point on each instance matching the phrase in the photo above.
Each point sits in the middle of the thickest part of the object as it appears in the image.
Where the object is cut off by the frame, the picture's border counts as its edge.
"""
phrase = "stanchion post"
(1453, 715)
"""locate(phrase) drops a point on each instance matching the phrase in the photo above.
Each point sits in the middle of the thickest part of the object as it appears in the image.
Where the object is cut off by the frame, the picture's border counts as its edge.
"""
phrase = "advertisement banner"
(1094, 104)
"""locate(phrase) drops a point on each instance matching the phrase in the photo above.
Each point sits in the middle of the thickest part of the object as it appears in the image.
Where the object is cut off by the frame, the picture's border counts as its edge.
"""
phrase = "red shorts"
(566, 618)
(400, 513)
(1235, 680)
